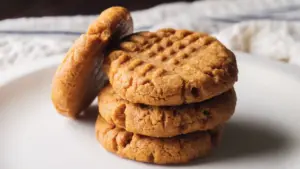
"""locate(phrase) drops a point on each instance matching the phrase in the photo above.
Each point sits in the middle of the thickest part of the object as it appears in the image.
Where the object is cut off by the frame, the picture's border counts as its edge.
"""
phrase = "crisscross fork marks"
(159, 60)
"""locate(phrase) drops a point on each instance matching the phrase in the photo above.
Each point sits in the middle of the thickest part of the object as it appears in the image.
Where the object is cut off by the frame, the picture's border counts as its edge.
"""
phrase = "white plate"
(263, 133)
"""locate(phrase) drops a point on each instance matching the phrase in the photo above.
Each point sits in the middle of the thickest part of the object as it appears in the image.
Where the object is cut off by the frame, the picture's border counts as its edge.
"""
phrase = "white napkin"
(278, 40)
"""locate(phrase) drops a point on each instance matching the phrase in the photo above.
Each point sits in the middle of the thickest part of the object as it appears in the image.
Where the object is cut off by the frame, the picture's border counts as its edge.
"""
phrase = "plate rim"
(20, 70)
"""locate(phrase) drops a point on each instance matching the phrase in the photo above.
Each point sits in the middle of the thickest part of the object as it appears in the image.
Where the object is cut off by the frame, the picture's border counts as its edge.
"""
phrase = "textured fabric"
(266, 28)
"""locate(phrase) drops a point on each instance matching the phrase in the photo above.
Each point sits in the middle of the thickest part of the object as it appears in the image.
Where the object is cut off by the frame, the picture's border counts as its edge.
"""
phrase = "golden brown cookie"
(179, 149)
(157, 121)
(170, 67)
(78, 79)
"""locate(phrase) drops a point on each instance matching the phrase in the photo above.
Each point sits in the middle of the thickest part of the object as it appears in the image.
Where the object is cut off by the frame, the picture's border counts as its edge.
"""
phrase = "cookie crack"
(119, 117)
(163, 120)
(183, 90)
(115, 144)
(109, 129)
(151, 158)
(128, 141)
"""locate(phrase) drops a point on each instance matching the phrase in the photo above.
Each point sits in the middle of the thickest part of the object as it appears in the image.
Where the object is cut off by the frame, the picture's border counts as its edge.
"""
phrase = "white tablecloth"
(266, 28)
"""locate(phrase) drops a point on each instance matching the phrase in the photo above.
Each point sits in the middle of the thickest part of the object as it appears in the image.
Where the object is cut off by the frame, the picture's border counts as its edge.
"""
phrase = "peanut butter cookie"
(170, 67)
(165, 121)
(179, 149)
(78, 79)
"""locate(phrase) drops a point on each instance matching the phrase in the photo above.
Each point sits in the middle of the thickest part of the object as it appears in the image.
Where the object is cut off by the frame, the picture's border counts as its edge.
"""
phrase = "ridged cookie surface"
(170, 67)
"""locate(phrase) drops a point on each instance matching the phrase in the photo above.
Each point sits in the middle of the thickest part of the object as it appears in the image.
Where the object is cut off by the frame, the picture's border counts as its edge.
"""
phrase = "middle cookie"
(165, 121)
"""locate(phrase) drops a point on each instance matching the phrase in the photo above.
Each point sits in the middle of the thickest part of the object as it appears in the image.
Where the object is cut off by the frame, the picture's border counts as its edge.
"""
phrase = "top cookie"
(170, 67)
(78, 79)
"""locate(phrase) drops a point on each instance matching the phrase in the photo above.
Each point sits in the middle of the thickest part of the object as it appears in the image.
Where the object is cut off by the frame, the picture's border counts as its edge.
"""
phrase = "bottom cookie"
(174, 150)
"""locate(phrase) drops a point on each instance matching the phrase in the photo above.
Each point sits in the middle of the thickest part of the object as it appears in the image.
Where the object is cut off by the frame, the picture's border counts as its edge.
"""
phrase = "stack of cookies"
(169, 92)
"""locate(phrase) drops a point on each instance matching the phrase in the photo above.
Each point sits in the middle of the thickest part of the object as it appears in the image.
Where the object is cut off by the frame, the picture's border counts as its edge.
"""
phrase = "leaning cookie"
(179, 149)
(170, 67)
(78, 79)
(165, 121)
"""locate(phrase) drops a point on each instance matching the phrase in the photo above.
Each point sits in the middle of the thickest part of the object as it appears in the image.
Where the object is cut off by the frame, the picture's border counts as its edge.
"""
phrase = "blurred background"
(21, 8)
